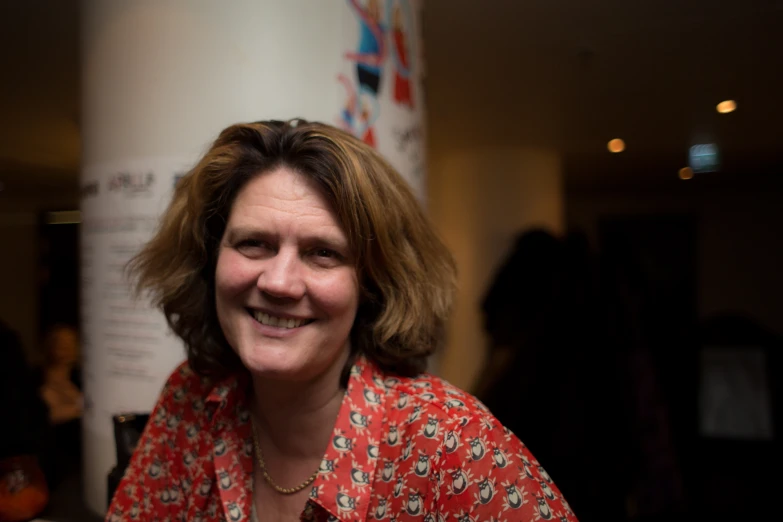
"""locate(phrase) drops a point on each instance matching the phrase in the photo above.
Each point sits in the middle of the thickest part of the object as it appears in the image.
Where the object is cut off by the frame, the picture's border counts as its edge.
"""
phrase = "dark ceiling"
(571, 75)
(39, 94)
(565, 75)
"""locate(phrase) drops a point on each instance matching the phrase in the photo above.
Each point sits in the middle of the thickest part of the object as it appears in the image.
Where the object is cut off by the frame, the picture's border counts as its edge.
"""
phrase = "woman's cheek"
(235, 272)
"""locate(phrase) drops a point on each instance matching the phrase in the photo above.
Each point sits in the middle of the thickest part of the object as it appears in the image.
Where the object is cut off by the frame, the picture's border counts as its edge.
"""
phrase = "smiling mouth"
(278, 322)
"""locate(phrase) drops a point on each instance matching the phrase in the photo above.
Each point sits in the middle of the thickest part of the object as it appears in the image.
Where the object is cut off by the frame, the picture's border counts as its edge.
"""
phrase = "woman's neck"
(296, 419)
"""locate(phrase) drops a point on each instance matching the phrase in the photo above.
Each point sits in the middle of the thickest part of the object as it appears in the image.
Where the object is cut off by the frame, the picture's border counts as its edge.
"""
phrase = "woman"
(309, 288)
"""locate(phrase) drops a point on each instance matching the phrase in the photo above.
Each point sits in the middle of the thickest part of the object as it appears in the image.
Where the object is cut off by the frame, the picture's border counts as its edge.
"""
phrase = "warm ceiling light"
(686, 173)
(726, 106)
(616, 145)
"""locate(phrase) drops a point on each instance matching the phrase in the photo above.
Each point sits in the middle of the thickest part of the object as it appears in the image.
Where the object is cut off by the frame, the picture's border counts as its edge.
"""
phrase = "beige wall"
(493, 138)
(479, 199)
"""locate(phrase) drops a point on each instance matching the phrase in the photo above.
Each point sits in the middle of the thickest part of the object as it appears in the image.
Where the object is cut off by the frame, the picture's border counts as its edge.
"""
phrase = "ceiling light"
(616, 145)
(686, 173)
(726, 106)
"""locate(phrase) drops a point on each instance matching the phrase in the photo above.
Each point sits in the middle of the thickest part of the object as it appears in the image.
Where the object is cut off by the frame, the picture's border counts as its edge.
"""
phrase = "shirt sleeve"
(148, 487)
(488, 474)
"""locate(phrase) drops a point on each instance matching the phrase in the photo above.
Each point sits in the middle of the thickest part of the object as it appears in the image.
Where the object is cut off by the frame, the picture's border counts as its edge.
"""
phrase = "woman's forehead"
(285, 201)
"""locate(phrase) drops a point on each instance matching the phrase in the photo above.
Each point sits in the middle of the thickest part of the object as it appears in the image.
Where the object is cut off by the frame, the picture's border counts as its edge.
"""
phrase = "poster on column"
(381, 82)
(128, 348)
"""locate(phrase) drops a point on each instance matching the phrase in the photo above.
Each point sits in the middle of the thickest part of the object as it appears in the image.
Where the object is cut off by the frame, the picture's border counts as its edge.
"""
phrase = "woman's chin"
(266, 367)
(289, 364)
(273, 365)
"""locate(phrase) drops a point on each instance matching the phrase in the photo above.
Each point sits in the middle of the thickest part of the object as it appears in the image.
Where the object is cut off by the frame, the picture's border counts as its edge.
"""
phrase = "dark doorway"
(650, 269)
(58, 269)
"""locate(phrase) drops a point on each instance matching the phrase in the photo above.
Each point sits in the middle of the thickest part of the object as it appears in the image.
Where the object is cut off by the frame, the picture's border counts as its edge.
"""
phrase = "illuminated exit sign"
(704, 158)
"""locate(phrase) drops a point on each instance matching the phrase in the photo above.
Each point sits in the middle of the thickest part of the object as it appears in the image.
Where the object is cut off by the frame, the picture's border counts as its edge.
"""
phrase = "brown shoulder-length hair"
(407, 275)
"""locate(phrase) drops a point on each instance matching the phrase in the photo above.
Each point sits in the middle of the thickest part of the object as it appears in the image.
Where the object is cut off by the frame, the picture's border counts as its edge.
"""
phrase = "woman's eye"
(327, 256)
(250, 245)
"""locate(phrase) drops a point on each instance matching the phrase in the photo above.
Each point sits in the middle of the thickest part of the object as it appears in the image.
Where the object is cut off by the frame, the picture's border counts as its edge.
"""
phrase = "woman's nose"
(282, 276)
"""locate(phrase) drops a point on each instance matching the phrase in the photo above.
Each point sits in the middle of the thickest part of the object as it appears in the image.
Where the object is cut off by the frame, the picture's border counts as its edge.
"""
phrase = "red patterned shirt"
(402, 449)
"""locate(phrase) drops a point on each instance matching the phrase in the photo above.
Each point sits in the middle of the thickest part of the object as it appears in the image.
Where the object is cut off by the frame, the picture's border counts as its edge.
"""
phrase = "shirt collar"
(345, 479)
(221, 389)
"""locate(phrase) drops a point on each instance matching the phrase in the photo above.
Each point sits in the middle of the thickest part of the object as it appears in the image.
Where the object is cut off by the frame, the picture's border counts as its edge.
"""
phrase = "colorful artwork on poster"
(380, 80)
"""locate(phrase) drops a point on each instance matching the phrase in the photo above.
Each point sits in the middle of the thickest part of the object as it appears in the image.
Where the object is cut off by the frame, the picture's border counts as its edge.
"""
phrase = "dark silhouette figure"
(24, 413)
(552, 377)
(23, 436)
(59, 387)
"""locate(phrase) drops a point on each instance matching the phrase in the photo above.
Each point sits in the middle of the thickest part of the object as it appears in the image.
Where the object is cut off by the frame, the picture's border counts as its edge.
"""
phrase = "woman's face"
(286, 287)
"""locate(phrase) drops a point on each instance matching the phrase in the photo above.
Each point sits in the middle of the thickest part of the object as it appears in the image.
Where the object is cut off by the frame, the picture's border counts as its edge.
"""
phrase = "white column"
(160, 80)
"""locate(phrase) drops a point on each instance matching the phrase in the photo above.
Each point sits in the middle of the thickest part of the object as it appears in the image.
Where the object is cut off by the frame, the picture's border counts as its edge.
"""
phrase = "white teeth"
(279, 322)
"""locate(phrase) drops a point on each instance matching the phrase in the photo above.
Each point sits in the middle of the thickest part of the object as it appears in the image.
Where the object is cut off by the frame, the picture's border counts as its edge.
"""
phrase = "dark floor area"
(66, 502)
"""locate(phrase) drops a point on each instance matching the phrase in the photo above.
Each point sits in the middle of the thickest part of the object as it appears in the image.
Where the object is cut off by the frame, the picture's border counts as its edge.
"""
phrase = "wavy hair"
(407, 275)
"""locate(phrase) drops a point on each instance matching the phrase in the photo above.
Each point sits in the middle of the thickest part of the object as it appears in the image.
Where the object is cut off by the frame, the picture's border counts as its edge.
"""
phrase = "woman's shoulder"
(427, 394)
(185, 390)
(185, 404)
(429, 410)
(183, 376)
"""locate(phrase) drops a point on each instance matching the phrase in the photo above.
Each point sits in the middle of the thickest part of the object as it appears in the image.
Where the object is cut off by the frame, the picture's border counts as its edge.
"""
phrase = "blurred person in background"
(23, 489)
(59, 387)
(60, 391)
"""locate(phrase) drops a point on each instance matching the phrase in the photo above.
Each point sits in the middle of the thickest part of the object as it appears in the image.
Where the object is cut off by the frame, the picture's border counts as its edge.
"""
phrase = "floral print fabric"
(402, 449)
